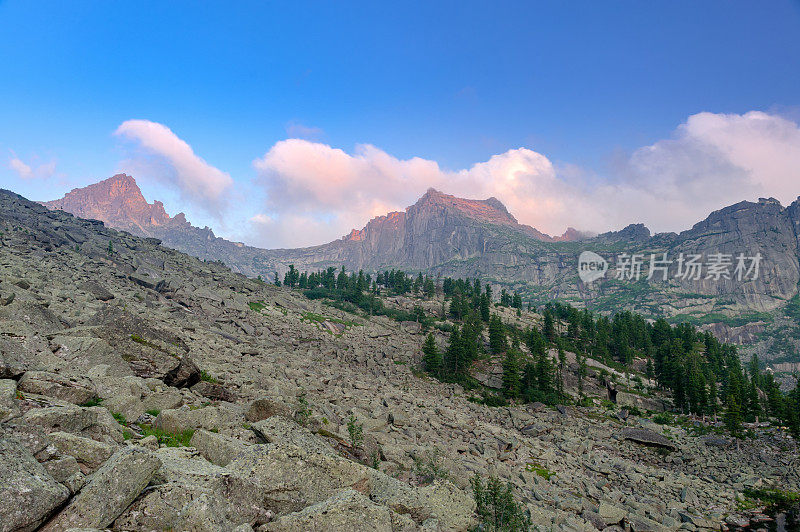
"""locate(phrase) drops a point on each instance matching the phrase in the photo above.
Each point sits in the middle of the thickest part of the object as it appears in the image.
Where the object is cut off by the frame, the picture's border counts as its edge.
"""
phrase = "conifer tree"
(497, 335)
(733, 416)
(511, 373)
(432, 358)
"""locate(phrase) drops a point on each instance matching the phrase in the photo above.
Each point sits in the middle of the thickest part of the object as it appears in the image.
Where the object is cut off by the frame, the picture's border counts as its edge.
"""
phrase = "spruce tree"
(432, 358)
(454, 357)
(511, 373)
(549, 328)
(497, 335)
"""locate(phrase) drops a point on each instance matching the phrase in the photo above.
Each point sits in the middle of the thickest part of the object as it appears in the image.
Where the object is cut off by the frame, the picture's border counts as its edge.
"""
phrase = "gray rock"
(8, 400)
(95, 422)
(214, 391)
(216, 448)
(75, 390)
(209, 418)
(647, 437)
(184, 375)
(282, 431)
(347, 510)
(287, 486)
(86, 451)
(189, 493)
(611, 514)
(28, 493)
(110, 490)
(264, 408)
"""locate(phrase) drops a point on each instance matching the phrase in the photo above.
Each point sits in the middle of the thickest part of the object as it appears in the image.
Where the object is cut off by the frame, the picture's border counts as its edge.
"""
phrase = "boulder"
(94, 422)
(96, 290)
(264, 408)
(216, 448)
(214, 391)
(189, 493)
(61, 469)
(347, 510)
(8, 400)
(90, 453)
(209, 418)
(282, 431)
(647, 437)
(625, 399)
(450, 506)
(28, 493)
(292, 478)
(31, 437)
(611, 514)
(167, 399)
(75, 390)
(110, 490)
(184, 375)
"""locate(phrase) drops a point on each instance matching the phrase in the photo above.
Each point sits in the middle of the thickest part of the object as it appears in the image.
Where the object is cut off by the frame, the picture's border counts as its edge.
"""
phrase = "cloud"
(31, 171)
(296, 130)
(317, 193)
(165, 157)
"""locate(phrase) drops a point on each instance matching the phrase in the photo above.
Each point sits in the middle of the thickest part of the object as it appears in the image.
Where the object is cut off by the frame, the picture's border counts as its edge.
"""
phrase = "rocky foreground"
(142, 389)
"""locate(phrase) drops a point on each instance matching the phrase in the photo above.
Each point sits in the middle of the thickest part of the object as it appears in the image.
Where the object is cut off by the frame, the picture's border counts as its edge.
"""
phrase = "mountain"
(116, 201)
(449, 236)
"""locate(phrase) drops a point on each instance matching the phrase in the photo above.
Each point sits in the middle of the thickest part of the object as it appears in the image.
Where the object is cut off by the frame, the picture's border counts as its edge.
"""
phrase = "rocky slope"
(446, 235)
(143, 389)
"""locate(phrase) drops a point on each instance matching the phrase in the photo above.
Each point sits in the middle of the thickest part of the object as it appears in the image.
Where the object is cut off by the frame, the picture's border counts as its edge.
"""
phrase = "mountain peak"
(117, 201)
(489, 210)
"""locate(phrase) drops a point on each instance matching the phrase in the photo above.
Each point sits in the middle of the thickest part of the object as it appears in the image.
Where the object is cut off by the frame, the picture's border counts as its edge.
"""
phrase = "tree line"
(704, 375)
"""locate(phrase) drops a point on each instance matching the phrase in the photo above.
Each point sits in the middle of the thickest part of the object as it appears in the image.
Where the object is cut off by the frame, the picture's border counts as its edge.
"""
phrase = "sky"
(290, 123)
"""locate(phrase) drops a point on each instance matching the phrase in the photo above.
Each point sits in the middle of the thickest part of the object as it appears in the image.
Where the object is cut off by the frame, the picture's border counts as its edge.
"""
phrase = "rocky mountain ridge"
(445, 235)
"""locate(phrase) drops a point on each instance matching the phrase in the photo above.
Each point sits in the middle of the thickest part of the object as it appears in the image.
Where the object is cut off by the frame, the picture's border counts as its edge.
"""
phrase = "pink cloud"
(176, 162)
(29, 171)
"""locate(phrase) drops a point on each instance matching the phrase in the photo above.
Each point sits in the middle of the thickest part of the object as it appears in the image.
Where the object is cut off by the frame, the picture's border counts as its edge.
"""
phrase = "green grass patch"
(208, 378)
(95, 401)
(257, 306)
(770, 497)
(535, 467)
(169, 439)
(153, 412)
(120, 418)
(663, 418)
(319, 318)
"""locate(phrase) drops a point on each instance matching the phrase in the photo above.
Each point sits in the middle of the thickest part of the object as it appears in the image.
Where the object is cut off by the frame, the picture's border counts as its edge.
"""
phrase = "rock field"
(143, 389)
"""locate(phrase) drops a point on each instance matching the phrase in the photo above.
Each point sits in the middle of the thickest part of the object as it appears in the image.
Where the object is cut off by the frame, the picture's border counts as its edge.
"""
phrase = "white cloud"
(30, 171)
(160, 152)
(711, 161)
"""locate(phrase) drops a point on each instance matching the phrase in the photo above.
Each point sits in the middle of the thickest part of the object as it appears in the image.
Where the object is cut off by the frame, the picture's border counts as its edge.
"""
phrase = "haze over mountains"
(445, 235)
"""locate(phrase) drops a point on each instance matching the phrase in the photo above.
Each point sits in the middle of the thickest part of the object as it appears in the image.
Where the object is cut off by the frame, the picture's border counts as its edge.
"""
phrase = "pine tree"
(733, 416)
(549, 328)
(485, 307)
(454, 357)
(497, 335)
(432, 358)
(753, 404)
(511, 373)
(582, 371)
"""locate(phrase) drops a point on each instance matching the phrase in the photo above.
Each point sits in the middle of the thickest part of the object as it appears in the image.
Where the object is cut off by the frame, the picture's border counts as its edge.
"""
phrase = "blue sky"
(587, 85)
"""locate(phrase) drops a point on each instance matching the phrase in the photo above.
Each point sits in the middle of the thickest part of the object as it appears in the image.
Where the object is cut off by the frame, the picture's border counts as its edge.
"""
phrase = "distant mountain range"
(445, 235)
